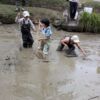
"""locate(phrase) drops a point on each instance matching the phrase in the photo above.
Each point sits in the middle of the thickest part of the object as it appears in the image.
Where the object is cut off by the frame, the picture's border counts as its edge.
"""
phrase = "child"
(26, 25)
(70, 42)
(45, 29)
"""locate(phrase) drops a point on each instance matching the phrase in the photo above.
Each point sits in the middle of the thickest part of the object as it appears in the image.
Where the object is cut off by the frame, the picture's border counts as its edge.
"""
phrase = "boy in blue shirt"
(45, 29)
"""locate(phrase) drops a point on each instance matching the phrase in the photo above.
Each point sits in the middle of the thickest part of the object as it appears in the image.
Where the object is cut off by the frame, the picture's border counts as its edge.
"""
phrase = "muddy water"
(25, 77)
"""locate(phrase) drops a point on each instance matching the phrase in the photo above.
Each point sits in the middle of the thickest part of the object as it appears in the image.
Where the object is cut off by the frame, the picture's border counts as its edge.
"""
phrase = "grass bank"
(52, 4)
(7, 13)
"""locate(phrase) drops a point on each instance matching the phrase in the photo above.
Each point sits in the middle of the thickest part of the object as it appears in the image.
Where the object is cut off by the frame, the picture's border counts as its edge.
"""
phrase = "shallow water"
(25, 77)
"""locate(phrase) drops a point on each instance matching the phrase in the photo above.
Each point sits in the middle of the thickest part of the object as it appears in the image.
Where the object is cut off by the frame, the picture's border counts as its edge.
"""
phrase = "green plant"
(39, 2)
(90, 22)
(7, 13)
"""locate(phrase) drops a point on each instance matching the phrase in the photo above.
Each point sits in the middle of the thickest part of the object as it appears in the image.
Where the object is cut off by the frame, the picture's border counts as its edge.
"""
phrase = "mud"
(25, 77)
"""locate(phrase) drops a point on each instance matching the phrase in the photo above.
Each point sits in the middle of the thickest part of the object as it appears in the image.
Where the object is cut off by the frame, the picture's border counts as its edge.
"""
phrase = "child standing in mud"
(26, 25)
(44, 40)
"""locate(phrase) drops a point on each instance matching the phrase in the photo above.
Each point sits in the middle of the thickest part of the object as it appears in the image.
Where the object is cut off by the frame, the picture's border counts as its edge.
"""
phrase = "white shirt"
(74, 0)
(20, 21)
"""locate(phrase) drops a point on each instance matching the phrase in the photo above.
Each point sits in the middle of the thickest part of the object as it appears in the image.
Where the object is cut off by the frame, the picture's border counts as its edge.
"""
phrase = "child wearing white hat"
(70, 42)
(26, 26)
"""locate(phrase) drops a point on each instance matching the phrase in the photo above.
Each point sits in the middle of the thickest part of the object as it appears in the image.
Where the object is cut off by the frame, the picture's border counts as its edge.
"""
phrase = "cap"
(75, 38)
(26, 13)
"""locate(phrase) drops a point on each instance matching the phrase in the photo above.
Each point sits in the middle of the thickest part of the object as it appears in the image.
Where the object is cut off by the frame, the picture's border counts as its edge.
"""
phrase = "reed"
(90, 22)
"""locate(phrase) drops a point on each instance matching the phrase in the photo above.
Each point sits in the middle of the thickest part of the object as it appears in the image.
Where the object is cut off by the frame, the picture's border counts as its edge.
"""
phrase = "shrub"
(39, 3)
(7, 13)
(90, 22)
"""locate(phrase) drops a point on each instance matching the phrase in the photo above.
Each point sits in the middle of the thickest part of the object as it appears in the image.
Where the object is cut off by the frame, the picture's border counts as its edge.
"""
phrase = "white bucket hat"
(26, 13)
(75, 38)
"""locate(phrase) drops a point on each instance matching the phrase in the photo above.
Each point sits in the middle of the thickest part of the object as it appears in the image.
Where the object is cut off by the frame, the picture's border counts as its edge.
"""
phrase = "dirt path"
(25, 77)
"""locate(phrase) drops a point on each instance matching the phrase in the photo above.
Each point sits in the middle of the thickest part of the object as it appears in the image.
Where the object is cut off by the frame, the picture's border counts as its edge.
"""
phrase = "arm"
(17, 17)
(40, 27)
(77, 44)
(63, 41)
(32, 26)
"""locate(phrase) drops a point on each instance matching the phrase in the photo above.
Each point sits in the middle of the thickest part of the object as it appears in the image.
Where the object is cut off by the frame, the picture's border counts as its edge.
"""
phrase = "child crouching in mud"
(70, 42)
(45, 36)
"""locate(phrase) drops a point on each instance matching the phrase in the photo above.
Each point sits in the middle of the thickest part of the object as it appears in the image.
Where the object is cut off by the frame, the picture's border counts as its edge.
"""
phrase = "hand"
(18, 14)
(84, 54)
(41, 39)
(39, 21)
(65, 45)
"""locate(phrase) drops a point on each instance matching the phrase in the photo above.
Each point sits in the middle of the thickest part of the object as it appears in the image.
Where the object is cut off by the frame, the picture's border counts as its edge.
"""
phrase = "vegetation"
(90, 22)
(95, 5)
(41, 3)
(7, 13)
(87, 23)
(55, 4)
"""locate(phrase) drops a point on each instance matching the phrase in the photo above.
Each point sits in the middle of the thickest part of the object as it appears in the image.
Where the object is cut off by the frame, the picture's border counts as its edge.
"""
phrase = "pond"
(25, 77)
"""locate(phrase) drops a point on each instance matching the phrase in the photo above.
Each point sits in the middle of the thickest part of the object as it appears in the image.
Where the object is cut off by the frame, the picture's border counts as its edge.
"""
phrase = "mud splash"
(25, 77)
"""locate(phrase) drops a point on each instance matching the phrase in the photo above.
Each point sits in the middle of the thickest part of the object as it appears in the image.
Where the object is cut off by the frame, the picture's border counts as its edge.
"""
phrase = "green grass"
(47, 3)
(7, 13)
(90, 22)
(53, 4)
